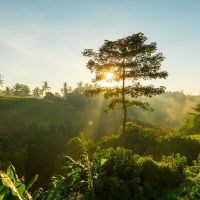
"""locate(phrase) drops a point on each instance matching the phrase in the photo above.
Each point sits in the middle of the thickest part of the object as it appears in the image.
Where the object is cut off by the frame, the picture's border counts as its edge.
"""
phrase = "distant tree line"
(23, 90)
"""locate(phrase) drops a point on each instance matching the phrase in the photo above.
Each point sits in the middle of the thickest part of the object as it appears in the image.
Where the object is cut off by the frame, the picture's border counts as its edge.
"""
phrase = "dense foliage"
(159, 161)
(143, 163)
(33, 132)
(114, 173)
(143, 141)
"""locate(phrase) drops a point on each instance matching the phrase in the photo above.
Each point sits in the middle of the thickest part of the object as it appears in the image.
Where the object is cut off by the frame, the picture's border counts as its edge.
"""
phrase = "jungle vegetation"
(63, 145)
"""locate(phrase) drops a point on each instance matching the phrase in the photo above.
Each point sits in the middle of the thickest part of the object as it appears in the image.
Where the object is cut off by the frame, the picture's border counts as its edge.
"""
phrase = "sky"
(43, 39)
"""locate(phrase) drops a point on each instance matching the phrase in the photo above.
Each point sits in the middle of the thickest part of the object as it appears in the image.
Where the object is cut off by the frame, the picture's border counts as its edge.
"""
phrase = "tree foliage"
(130, 59)
(112, 173)
(37, 92)
(21, 90)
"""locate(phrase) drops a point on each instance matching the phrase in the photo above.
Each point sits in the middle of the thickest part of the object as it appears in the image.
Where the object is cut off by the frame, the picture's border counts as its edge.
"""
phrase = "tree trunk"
(124, 101)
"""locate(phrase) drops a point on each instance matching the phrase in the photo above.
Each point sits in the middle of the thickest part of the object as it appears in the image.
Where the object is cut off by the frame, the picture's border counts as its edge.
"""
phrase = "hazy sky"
(43, 39)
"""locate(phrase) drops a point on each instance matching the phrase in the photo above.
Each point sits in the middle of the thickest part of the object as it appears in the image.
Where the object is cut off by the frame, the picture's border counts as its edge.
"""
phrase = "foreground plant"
(12, 187)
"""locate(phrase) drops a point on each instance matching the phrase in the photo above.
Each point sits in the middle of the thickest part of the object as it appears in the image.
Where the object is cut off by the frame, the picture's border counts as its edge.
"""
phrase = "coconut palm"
(25, 90)
(21, 90)
(8, 91)
(16, 89)
(45, 87)
(66, 89)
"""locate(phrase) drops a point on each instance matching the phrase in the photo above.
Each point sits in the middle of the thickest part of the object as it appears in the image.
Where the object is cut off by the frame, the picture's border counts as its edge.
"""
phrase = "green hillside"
(30, 110)
(170, 110)
(73, 114)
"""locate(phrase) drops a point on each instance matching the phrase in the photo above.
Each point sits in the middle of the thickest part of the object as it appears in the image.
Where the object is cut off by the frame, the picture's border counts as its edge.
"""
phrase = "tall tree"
(126, 62)
(45, 87)
(66, 89)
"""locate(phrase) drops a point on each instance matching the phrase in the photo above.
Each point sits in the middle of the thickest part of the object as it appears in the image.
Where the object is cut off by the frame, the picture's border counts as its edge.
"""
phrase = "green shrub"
(118, 176)
(190, 188)
(142, 140)
(177, 143)
(109, 141)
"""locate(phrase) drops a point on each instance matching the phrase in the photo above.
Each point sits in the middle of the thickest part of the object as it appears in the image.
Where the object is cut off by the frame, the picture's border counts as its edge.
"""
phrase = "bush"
(50, 96)
(149, 141)
(118, 174)
(109, 141)
(177, 143)
(190, 188)
(142, 140)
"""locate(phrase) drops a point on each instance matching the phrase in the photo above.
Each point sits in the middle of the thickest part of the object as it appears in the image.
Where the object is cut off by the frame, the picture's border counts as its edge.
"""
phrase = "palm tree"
(66, 89)
(8, 91)
(45, 87)
(25, 90)
(21, 90)
(16, 89)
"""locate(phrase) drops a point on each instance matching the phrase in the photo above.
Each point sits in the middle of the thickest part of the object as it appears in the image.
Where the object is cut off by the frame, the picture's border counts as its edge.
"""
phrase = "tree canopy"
(130, 60)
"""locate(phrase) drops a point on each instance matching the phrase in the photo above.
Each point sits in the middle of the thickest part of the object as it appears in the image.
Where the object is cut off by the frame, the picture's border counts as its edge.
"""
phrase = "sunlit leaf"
(11, 172)
(8, 183)
(20, 188)
(34, 179)
(103, 161)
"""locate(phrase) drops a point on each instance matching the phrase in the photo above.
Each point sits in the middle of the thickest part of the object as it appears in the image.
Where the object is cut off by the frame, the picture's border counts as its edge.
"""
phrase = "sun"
(109, 76)
(108, 80)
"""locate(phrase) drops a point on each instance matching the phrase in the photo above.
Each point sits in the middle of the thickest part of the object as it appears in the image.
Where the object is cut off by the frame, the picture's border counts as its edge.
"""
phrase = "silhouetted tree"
(37, 92)
(80, 87)
(8, 91)
(21, 90)
(16, 89)
(25, 90)
(129, 59)
(45, 87)
(66, 89)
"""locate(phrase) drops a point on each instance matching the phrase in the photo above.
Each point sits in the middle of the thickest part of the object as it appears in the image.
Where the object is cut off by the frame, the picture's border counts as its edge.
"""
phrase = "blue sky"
(43, 39)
